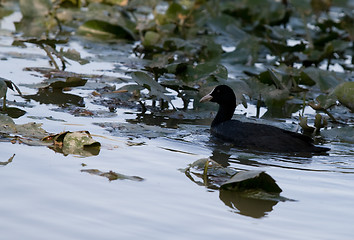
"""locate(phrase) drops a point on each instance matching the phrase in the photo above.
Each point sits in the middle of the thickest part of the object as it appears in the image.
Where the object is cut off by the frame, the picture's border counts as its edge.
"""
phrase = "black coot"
(253, 136)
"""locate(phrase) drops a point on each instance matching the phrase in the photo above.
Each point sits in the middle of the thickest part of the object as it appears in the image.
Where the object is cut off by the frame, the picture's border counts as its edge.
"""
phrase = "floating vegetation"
(77, 143)
(279, 55)
(112, 176)
(251, 193)
(215, 176)
(8, 161)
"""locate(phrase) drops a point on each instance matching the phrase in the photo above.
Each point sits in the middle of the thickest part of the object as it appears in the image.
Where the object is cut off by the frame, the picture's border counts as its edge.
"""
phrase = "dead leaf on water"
(77, 143)
(111, 176)
(8, 161)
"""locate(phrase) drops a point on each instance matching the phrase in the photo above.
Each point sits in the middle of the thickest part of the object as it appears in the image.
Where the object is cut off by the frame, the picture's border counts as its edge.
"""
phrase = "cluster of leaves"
(271, 51)
(297, 45)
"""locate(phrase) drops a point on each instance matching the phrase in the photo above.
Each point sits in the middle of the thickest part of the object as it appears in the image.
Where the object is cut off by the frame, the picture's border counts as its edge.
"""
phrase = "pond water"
(46, 195)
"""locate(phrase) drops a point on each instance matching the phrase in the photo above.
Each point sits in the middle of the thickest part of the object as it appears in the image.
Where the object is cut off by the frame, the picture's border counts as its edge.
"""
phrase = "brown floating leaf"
(8, 161)
(111, 176)
(78, 143)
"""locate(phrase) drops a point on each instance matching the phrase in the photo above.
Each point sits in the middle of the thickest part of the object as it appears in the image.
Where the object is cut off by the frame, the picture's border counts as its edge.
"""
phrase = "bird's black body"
(253, 136)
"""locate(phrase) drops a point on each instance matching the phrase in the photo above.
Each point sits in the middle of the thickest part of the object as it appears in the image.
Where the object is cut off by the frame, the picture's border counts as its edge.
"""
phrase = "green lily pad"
(155, 89)
(344, 134)
(105, 29)
(345, 94)
(324, 101)
(28, 130)
(74, 55)
(151, 38)
(35, 8)
(247, 180)
(325, 80)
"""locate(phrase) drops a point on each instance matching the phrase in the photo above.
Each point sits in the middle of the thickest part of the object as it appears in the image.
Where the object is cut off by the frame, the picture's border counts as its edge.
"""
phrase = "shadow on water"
(225, 153)
(161, 121)
(57, 97)
(13, 112)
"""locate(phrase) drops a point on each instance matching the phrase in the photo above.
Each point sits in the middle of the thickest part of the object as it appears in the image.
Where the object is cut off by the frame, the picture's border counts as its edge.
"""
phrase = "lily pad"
(74, 55)
(216, 176)
(69, 82)
(345, 94)
(35, 8)
(325, 80)
(28, 130)
(344, 134)
(105, 29)
(247, 180)
(149, 83)
(78, 143)
(151, 38)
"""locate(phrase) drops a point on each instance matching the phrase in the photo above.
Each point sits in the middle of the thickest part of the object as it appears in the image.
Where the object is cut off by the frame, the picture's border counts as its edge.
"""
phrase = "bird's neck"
(225, 113)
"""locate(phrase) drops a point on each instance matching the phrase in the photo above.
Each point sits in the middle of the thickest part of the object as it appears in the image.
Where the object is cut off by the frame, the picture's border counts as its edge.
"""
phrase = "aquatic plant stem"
(50, 56)
(205, 172)
(4, 103)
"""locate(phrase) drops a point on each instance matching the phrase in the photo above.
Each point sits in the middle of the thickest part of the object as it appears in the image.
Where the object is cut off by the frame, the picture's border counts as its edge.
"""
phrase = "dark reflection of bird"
(253, 136)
